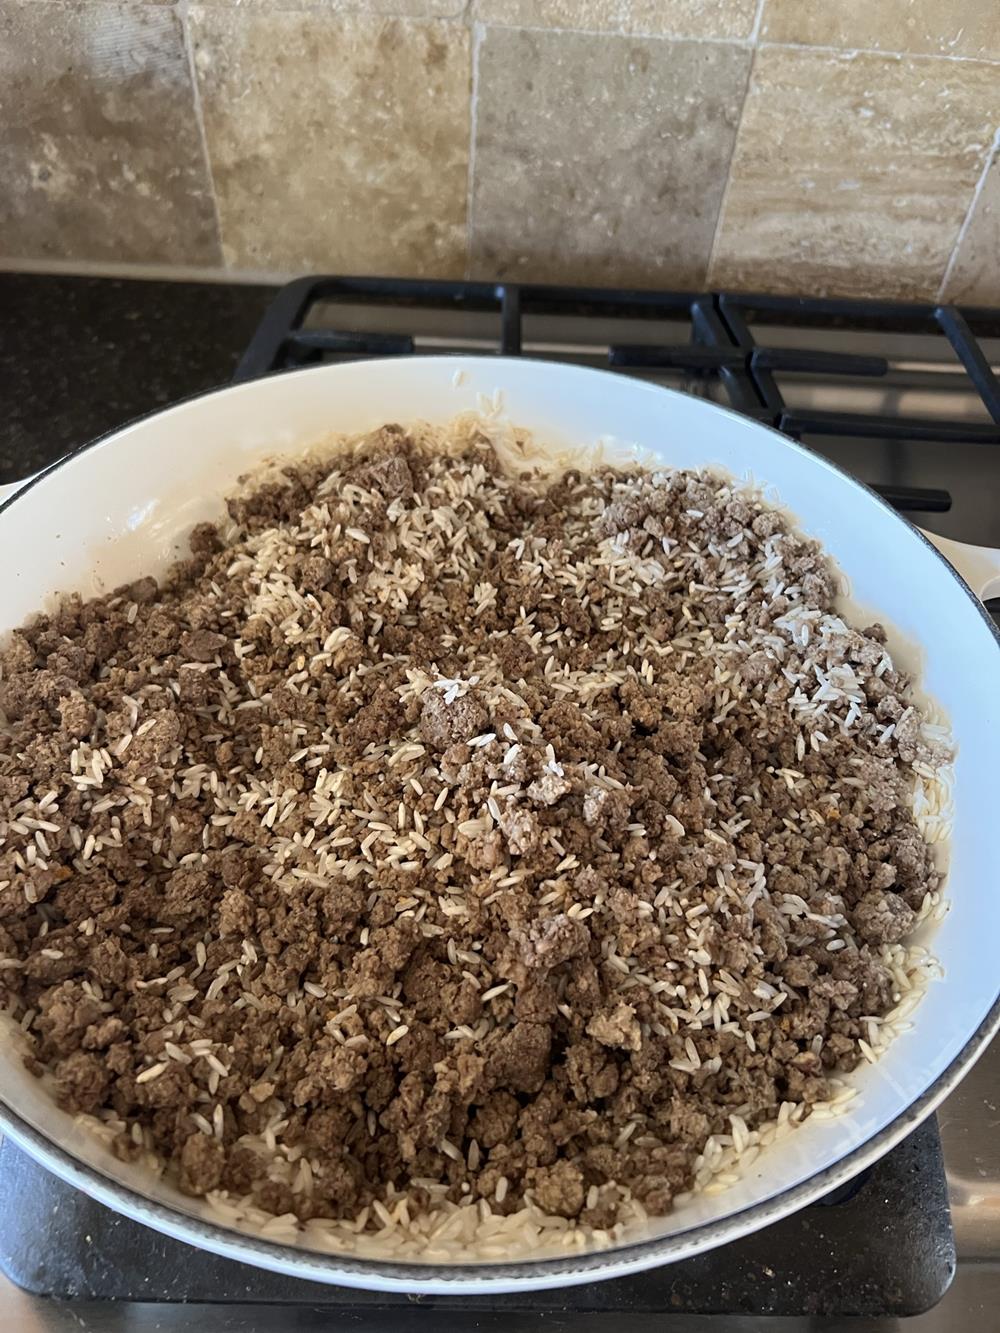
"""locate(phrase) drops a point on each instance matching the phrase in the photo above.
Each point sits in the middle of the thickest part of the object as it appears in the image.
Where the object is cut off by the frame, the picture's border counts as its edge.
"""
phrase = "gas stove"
(906, 398)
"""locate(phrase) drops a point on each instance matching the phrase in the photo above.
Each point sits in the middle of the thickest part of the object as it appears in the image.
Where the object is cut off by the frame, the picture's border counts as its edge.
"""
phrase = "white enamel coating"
(122, 508)
(978, 565)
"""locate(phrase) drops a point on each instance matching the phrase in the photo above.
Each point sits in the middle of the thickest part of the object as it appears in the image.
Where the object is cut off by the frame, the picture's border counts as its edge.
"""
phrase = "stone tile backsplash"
(854, 172)
(565, 190)
(101, 157)
(809, 146)
(364, 167)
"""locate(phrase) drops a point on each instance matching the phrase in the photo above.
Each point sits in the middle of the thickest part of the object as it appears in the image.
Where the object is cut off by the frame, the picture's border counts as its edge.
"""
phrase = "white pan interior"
(123, 507)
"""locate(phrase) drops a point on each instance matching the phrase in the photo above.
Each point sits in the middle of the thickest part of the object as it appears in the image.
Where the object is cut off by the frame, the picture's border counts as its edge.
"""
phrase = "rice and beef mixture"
(440, 833)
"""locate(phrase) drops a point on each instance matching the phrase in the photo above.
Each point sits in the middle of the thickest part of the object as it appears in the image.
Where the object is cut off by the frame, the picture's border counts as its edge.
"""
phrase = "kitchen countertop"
(81, 356)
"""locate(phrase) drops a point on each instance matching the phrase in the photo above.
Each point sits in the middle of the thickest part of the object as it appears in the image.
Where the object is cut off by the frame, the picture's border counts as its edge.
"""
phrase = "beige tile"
(379, 8)
(88, 3)
(601, 159)
(655, 18)
(336, 143)
(974, 276)
(100, 154)
(853, 175)
(930, 27)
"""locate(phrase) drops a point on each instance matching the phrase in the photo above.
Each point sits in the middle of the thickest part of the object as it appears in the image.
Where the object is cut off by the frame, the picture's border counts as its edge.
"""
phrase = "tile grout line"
(752, 40)
(635, 34)
(727, 186)
(991, 157)
(183, 9)
(758, 21)
(849, 52)
(477, 35)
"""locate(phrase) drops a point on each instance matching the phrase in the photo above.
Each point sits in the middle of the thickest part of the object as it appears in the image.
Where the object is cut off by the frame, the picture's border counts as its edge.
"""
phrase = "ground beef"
(882, 918)
(520, 1059)
(618, 1028)
(444, 721)
(201, 1164)
(201, 645)
(81, 1082)
(438, 824)
(559, 1189)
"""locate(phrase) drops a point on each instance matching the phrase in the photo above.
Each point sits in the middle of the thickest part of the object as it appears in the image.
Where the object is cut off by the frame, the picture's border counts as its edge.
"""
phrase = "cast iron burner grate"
(701, 341)
(886, 1249)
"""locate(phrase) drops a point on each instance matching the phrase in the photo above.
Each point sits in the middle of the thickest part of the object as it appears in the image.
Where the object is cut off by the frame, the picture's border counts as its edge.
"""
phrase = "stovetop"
(906, 398)
(808, 1264)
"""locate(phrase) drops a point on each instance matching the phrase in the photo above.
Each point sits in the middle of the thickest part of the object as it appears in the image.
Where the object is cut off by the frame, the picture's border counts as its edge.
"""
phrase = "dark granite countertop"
(81, 356)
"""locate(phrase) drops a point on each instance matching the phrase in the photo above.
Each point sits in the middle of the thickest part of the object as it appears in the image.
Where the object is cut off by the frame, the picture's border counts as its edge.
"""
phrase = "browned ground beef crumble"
(407, 734)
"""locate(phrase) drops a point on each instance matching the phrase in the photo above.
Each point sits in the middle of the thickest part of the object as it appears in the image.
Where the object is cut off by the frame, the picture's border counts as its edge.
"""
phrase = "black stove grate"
(717, 337)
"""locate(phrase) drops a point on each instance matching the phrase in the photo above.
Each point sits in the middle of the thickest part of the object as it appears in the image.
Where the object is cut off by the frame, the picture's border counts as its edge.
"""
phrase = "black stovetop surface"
(80, 356)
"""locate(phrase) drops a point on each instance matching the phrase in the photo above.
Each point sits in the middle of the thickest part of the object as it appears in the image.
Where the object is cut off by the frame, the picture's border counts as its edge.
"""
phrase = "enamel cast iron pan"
(122, 506)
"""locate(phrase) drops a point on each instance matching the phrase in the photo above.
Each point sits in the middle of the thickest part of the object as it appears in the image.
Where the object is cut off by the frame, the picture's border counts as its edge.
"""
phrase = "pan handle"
(978, 565)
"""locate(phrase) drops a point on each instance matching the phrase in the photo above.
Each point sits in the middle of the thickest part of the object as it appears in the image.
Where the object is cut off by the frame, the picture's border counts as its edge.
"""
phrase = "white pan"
(122, 506)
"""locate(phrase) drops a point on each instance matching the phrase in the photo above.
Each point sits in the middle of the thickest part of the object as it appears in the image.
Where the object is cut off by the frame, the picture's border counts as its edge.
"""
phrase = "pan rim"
(485, 1277)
